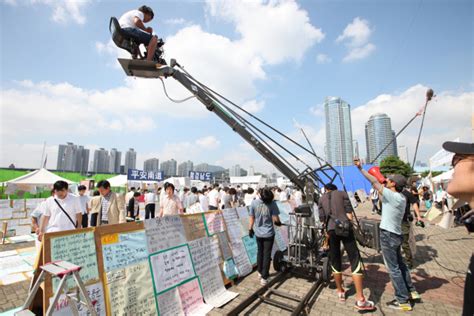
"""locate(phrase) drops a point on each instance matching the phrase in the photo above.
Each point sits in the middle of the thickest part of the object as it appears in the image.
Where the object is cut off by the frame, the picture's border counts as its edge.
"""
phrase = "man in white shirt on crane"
(132, 23)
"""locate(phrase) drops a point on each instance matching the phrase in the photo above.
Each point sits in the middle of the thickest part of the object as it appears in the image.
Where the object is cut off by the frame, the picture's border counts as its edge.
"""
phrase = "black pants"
(85, 220)
(264, 255)
(149, 211)
(375, 206)
(94, 219)
(352, 252)
(406, 244)
(468, 308)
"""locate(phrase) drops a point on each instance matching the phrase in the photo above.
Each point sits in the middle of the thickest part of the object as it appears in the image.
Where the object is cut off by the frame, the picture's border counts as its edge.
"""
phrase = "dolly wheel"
(278, 263)
(326, 272)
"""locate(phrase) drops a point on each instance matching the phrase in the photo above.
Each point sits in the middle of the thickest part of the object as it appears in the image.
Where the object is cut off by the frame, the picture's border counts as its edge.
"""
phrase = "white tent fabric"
(38, 177)
(29, 182)
(179, 182)
(118, 181)
(257, 181)
(445, 176)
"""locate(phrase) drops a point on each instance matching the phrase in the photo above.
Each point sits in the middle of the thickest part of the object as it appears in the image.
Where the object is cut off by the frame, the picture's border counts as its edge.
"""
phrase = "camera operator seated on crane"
(335, 211)
(132, 24)
(391, 239)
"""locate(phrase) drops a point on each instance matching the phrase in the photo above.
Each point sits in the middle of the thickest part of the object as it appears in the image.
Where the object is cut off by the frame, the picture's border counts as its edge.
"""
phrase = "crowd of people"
(399, 205)
(64, 210)
(396, 202)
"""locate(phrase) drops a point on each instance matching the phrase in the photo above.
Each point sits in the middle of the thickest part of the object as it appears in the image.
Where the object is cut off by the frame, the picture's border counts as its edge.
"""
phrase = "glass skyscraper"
(378, 133)
(338, 148)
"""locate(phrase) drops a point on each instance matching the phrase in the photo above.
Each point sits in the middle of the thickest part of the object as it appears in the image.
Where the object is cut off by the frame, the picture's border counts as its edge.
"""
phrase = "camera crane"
(305, 236)
(309, 180)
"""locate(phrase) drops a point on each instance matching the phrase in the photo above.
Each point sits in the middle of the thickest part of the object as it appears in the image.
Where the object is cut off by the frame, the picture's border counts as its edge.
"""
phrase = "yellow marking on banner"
(110, 239)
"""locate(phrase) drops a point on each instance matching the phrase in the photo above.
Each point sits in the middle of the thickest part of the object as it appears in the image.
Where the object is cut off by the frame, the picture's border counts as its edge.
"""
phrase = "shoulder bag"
(69, 217)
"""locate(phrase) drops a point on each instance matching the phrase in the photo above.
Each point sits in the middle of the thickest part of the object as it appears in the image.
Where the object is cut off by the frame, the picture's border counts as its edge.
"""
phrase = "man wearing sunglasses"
(461, 186)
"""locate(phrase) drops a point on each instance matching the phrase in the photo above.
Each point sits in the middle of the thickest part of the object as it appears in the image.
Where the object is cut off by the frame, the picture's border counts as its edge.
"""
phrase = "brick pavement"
(14, 295)
(441, 289)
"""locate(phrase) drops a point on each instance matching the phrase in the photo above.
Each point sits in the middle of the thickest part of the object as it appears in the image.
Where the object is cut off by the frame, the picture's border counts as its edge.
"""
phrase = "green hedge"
(8, 174)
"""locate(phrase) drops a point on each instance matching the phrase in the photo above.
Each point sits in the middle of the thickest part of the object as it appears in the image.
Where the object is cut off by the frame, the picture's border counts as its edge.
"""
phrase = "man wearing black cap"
(461, 186)
(393, 205)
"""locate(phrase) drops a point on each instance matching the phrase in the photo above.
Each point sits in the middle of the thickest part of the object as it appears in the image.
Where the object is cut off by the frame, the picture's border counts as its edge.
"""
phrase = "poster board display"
(194, 227)
(123, 256)
(75, 246)
(185, 273)
(214, 222)
(209, 274)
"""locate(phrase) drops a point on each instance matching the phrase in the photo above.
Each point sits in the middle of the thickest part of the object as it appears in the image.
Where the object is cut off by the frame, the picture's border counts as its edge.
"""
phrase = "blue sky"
(60, 81)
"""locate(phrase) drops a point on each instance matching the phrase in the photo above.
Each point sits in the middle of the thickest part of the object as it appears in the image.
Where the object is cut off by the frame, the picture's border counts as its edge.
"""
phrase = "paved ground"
(442, 259)
(441, 262)
(14, 295)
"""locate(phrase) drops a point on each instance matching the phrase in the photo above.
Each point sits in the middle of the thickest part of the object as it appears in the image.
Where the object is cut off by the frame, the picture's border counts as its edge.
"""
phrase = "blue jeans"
(399, 273)
(138, 35)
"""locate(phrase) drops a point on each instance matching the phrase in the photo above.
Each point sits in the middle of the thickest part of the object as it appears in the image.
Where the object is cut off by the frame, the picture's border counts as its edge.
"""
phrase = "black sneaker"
(399, 306)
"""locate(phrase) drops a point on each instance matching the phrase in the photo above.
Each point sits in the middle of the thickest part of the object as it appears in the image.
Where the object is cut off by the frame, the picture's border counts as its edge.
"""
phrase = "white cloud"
(183, 151)
(275, 30)
(208, 142)
(266, 38)
(356, 33)
(447, 117)
(63, 11)
(323, 59)
(48, 108)
(175, 21)
(9, 155)
(356, 37)
(253, 106)
(317, 110)
(359, 52)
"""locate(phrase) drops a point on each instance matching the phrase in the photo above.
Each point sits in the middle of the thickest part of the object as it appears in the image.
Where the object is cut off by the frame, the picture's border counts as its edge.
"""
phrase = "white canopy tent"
(179, 182)
(29, 182)
(118, 181)
(444, 177)
(249, 181)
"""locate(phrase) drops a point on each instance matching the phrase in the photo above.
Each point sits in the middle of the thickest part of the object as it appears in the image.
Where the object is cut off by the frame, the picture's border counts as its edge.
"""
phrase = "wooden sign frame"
(107, 230)
(46, 247)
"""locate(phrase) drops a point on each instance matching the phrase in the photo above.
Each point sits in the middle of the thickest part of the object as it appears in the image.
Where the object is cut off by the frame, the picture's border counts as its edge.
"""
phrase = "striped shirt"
(105, 206)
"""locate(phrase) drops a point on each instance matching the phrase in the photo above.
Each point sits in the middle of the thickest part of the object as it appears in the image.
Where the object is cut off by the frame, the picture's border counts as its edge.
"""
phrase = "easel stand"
(62, 270)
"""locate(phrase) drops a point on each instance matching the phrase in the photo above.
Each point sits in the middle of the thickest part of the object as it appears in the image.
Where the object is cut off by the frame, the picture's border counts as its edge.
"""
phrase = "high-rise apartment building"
(169, 168)
(251, 171)
(152, 164)
(235, 171)
(339, 151)
(184, 168)
(72, 158)
(115, 158)
(403, 153)
(205, 167)
(130, 159)
(378, 133)
(101, 161)
(355, 146)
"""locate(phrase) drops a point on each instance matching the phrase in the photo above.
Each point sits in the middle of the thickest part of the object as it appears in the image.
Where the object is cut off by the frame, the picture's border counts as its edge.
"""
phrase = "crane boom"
(144, 69)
